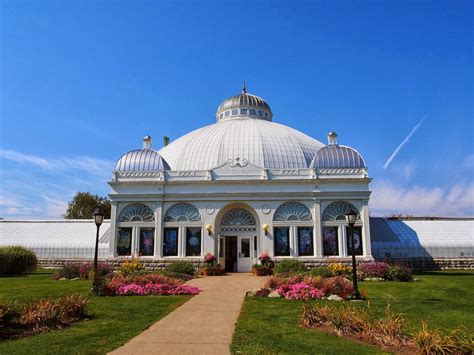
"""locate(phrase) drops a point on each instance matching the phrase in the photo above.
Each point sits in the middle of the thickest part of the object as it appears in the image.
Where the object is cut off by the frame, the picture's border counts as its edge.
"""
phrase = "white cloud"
(99, 167)
(405, 141)
(23, 158)
(404, 171)
(388, 198)
(38, 187)
(54, 207)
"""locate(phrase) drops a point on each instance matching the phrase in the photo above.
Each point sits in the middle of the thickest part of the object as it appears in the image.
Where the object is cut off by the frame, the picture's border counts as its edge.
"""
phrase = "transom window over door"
(238, 220)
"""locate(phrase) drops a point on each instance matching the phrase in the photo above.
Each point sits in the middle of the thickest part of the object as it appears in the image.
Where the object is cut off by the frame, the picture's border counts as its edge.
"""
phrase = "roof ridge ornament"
(244, 88)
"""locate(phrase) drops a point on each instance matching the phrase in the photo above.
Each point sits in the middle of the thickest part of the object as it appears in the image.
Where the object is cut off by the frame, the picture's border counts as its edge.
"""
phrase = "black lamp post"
(98, 219)
(351, 216)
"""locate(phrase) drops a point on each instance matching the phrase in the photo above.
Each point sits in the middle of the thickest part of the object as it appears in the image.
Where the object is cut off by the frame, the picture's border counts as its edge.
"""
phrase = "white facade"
(237, 188)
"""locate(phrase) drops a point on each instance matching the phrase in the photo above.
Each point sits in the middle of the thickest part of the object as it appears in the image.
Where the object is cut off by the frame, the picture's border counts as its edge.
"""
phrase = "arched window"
(136, 213)
(183, 226)
(182, 212)
(292, 211)
(335, 229)
(136, 232)
(293, 218)
(336, 211)
(238, 217)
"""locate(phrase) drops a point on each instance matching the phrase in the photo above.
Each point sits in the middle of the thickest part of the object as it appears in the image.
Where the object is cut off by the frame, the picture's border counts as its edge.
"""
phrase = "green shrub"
(289, 265)
(399, 273)
(321, 271)
(16, 260)
(174, 275)
(181, 267)
(68, 271)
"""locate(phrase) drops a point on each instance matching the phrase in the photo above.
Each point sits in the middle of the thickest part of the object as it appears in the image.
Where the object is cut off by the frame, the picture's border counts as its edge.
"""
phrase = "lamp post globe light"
(98, 219)
(351, 216)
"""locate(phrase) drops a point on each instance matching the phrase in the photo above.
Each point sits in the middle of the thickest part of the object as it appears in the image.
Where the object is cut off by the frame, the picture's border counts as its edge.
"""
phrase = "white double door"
(243, 254)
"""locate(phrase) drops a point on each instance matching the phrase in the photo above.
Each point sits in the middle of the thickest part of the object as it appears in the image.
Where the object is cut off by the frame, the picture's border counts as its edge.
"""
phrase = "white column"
(342, 231)
(317, 229)
(113, 230)
(293, 241)
(159, 231)
(366, 230)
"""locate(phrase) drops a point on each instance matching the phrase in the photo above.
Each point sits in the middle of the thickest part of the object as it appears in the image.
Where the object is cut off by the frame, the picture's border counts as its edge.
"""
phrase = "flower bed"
(377, 271)
(147, 284)
(300, 291)
(156, 289)
(305, 287)
(129, 279)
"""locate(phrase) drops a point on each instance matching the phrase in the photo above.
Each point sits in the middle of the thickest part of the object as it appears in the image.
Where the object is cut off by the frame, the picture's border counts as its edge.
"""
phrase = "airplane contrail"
(405, 141)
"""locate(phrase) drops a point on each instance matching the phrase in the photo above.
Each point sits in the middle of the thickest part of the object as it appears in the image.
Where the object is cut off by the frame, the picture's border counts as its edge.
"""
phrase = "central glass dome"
(244, 105)
(244, 130)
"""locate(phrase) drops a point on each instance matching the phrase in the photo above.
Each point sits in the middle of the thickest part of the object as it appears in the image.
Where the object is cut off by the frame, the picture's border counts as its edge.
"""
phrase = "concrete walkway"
(203, 325)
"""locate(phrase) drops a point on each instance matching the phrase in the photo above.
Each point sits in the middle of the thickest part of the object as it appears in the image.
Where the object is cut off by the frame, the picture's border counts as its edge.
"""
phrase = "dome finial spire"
(244, 88)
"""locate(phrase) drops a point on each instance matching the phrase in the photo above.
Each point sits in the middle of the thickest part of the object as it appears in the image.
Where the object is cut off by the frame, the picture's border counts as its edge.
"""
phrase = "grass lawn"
(113, 320)
(444, 298)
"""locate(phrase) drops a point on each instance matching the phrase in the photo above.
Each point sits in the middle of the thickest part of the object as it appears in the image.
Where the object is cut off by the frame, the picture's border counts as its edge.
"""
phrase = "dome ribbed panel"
(262, 143)
(141, 160)
(337, 156)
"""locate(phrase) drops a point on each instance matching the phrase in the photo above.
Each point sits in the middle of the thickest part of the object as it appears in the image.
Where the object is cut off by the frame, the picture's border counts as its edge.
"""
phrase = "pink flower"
(300, 291)
(157, 289)
(209, 258)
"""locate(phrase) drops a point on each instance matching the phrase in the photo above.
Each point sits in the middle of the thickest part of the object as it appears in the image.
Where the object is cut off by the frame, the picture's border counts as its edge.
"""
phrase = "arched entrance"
(237, 242)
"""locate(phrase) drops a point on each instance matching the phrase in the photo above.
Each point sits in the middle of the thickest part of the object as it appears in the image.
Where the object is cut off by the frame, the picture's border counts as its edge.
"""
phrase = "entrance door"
(244, 263)
(221, 252)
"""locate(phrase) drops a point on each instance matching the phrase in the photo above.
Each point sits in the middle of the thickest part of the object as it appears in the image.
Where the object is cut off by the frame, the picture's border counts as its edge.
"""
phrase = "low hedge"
(289, 265)
(182, 267)
(16, 260)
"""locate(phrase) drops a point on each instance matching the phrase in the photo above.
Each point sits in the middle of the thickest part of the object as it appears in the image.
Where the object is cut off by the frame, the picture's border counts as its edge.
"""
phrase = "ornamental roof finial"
(244, 88)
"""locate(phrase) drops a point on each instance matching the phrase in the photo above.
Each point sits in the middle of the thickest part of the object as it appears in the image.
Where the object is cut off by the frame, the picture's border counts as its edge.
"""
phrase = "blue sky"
(83, 81)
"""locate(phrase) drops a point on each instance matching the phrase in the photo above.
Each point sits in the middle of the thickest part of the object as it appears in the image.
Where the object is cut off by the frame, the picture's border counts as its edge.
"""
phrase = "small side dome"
(335, 156)
(145, 159)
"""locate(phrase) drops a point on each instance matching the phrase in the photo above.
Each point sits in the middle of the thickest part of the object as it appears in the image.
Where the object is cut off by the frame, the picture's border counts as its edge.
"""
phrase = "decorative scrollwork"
(136, 212)
(292, 211)
(336, 211)
(237, 161)
(238, 217)
(182, 212)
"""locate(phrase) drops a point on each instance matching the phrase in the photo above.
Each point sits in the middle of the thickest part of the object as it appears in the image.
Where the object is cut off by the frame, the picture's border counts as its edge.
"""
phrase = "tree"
(83, 205)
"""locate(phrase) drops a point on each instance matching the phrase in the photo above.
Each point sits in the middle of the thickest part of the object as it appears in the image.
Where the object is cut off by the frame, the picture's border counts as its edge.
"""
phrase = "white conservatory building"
(237, 188)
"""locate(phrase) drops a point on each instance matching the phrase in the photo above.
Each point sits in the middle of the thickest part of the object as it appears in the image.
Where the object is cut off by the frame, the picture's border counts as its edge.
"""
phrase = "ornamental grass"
(387, 332)
(41, 315)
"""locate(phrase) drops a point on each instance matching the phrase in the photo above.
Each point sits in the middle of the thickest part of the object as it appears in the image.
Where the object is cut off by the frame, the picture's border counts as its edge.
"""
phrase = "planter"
(259, 270)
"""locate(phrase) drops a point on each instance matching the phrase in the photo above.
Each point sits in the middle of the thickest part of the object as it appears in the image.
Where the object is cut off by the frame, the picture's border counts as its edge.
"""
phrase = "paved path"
(203, 325)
